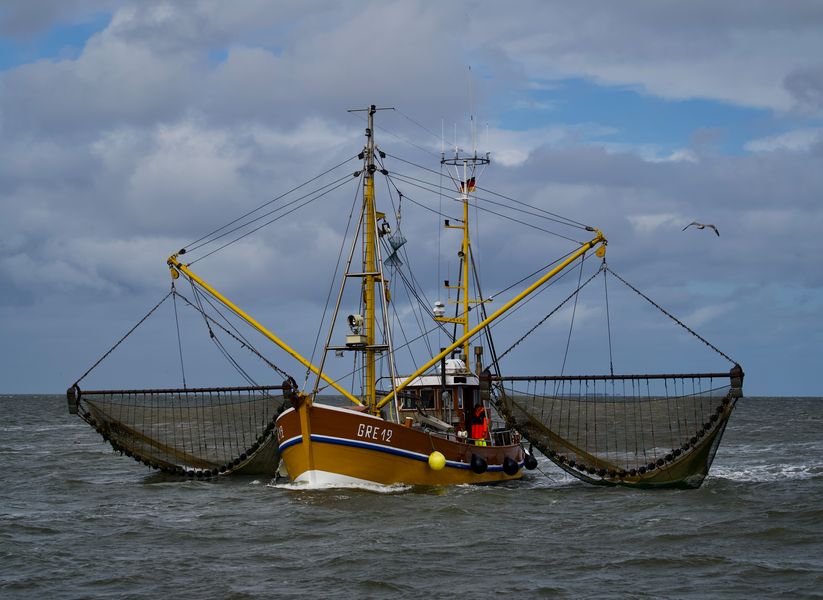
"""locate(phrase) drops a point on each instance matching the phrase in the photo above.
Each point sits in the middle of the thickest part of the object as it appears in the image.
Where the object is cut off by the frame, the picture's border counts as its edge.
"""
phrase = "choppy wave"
(768, 473)
(101, 527)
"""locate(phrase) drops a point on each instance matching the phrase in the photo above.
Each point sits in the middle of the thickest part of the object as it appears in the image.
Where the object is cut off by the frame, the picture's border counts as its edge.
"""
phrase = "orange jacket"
(479, 423)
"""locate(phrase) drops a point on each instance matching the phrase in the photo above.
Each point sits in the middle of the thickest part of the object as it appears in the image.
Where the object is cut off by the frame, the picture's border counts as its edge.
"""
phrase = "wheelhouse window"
(409, 400)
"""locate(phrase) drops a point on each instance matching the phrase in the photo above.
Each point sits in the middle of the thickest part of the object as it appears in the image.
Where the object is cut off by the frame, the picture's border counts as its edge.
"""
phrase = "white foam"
(368, 486)
(768, 473)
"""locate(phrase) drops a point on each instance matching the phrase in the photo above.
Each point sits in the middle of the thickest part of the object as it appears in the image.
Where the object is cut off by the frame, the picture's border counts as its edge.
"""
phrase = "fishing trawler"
(444, 422)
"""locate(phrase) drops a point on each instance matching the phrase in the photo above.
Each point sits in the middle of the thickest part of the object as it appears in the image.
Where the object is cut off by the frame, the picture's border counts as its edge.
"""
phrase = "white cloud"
(651, 152)
(646, 224)
(798, 140)
(512, 148)
(706, 314)
(694, 50)
(311, 136)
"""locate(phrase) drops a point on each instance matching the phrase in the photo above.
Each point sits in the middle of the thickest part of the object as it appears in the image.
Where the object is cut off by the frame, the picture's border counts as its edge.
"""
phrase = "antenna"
(466, 171)
(487, 136)
(442, 138)
(473, 130)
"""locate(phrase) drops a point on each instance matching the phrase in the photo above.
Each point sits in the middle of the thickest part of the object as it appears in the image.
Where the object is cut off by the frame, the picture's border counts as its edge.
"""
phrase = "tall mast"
(465, 248)
(468, 164)
(369, 265)
(373, 291)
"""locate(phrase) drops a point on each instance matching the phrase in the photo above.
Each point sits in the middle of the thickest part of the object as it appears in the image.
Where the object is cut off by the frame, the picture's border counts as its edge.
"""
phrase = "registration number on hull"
(373, 432)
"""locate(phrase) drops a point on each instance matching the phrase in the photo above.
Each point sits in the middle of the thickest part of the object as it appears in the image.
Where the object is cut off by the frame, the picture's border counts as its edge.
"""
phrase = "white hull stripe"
(327, 439)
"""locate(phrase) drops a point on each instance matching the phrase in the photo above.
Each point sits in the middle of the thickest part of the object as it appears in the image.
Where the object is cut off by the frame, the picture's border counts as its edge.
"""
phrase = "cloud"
(706, 314)
(111, 82)
(672, 50)
(806, 86)
(24, 19)
(652, 152)
(514, 147)
(649, 223)
(798, 140)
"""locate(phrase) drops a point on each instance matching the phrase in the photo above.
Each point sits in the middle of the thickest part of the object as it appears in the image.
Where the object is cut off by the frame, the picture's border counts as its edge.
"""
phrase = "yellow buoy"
(436, 460)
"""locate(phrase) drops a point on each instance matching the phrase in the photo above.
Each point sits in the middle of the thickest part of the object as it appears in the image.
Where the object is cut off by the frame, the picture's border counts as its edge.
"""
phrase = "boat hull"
(327, 445)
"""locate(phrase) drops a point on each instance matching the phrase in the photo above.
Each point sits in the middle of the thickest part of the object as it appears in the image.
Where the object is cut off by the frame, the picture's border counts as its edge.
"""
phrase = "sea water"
(79, 521)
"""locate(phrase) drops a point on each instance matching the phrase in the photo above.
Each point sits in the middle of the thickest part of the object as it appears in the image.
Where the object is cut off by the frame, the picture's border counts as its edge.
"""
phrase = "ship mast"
(373, 291)
(369, 264)
(469, 165)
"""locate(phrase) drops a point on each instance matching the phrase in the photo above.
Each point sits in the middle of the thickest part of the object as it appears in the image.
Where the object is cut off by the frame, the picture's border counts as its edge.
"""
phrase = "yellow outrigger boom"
(598, 240)
(178, 267)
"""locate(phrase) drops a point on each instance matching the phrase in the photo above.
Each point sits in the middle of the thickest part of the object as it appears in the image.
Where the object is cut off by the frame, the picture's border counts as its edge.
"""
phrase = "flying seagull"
(702, 226)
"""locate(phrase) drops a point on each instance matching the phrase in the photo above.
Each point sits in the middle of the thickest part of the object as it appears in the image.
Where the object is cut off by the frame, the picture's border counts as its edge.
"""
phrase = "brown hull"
(345, 446)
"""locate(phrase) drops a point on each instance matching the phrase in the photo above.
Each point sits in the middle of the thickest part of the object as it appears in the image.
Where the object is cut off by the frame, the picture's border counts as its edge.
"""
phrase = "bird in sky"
(702, 226)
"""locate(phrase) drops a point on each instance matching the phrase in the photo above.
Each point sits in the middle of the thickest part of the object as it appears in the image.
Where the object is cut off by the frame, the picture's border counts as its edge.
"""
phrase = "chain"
(673, 318)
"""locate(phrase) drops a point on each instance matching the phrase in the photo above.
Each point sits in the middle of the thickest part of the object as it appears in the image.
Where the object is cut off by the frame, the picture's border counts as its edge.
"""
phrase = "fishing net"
(639, 430)
(200, 432)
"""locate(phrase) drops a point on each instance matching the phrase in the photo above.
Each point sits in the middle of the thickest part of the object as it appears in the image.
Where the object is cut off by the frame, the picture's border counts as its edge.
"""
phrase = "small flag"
(467, 185)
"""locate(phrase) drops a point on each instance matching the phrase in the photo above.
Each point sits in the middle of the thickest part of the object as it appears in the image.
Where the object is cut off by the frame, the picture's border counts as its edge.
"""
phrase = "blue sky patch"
(60, 41)
(643, 119)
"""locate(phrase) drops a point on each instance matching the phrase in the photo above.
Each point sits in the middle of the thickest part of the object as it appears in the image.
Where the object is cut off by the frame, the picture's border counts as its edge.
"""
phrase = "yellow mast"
(369, 266)
(465, 250)
(464, 288)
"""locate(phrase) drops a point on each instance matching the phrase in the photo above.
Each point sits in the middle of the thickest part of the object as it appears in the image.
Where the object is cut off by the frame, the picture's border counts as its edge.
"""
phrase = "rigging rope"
(423, 127)
(241, 217)
(179, 341)
(337, 184)
(608, 317)
(120, 341)
(237, 336)
(216, 341)
(562, 219)
(672, 317)
(420, 204)
(419, 183)
(548, 316)
(530, 275)
(269, 213)
(574, 312)
(395, 135)
(483, 313)
(333, 278)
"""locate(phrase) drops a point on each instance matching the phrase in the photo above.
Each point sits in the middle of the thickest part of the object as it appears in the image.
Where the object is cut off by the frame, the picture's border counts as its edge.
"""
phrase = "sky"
(129, 129)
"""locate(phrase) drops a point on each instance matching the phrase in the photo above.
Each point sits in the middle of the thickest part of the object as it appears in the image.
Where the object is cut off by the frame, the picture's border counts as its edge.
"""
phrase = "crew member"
(480, 425)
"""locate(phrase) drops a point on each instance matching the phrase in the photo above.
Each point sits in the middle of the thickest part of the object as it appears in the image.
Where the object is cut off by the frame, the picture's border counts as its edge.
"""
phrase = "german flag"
(467, 186)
